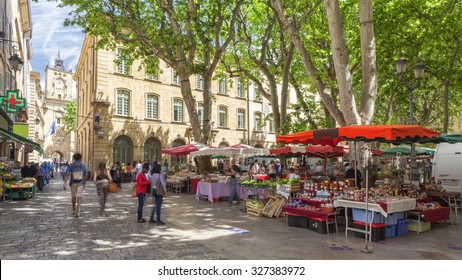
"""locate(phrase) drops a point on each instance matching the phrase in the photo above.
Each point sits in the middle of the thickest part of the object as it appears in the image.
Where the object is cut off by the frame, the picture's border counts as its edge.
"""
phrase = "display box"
(390, 231)
(319, 226)
(402, 227)
(419, 227)
(378, 231)
(392, 218)
(297, 221)
(360, 216)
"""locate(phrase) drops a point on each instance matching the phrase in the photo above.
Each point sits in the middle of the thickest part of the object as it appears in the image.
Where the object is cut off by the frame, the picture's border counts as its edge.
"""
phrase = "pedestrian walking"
(141, 184)
(77, 173)
(63, 170)
(159, 191)
(40, 177)
(116, 172)
(101, 179)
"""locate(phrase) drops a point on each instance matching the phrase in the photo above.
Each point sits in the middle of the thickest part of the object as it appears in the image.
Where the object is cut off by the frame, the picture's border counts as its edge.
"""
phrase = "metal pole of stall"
(366, 248)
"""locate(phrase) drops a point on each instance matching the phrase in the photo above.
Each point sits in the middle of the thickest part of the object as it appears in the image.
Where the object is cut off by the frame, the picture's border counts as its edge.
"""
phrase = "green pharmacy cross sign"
(12, 102)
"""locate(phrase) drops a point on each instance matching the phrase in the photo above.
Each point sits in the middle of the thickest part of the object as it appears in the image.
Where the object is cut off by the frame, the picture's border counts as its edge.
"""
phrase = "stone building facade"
(125, 114)
(57, 141)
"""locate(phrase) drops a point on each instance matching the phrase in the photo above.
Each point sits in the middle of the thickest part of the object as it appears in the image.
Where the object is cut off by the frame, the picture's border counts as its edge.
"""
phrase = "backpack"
(77, 172)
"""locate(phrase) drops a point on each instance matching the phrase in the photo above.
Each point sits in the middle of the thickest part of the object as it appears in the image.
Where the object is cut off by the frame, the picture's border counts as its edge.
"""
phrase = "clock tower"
(58, 140)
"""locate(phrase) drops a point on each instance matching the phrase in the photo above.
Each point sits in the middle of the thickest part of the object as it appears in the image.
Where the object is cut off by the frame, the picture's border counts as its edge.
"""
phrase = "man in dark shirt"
(350, 173)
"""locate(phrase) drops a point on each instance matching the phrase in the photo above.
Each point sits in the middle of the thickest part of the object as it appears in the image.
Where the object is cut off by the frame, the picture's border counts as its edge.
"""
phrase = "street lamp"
(400, 65)
(16, 63)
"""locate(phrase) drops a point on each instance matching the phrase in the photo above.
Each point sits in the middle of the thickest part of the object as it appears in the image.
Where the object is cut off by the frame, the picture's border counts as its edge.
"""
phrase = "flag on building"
(53, 128)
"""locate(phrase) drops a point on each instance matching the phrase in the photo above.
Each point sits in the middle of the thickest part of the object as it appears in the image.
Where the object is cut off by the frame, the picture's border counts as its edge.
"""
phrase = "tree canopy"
(343, 51)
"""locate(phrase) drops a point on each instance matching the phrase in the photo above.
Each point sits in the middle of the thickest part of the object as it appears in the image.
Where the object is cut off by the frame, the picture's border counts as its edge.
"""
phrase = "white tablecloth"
(392, 206)
(212, 190)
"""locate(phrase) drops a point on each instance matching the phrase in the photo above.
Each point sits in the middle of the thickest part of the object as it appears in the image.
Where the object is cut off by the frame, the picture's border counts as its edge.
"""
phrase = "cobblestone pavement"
(44, 227)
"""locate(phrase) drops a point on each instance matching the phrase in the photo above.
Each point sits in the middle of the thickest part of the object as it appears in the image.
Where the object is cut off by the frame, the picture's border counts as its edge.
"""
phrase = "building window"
(123, 99)
(222, 85)
(123, 149)
(152, 107)
(122, 64)
(258, 122)
(177, 110)
(240, 91)
(175, 78)
(222, 116)
(199, 82)
(271, 124)
(152, 76)
(241, 119)
(152, 148)
(59, 96)
(256, 93)
(200, 112)
(58, 121)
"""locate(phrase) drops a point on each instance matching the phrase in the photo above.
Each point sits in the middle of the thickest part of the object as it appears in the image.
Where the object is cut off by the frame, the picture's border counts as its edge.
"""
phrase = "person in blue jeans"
(141, 183)
(157, 181)
(233, 172)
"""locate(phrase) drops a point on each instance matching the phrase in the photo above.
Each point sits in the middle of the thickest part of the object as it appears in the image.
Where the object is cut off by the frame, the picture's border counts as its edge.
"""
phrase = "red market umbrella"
(308, 137)
(381, 133)
(186, 149)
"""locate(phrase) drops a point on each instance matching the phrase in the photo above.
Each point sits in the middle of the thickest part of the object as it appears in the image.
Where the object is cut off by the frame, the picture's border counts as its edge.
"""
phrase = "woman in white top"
(157, 181)
(292, 174)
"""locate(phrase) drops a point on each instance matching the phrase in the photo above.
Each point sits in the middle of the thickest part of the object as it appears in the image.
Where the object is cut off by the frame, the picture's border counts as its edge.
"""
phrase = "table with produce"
(252, 188)
(11, 186)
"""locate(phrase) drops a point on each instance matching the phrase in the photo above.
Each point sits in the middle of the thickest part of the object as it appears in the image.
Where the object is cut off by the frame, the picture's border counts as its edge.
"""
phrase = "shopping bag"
(112, 187)
(134, 190)
(159, 189)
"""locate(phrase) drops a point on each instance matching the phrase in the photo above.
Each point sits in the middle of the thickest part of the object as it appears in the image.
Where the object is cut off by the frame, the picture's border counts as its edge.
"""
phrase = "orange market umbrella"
(381, 133)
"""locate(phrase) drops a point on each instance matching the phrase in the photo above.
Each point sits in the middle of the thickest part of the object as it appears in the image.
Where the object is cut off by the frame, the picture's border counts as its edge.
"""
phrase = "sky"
(49, 35)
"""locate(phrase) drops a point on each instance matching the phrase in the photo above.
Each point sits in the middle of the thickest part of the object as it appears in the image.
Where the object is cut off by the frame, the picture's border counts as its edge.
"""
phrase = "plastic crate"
(297, 221)
(390, 231)
(360, 216)
(400, 215)
(391, 219)
(402, 227)
(419, 227)
(319, 226)
(378, 231)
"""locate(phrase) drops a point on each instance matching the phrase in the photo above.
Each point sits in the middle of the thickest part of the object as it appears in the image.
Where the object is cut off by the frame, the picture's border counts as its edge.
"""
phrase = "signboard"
(12, 102)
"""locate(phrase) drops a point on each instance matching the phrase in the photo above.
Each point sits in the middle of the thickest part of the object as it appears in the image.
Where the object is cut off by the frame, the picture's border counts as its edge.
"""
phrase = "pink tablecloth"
(212, 190)
(244, 192)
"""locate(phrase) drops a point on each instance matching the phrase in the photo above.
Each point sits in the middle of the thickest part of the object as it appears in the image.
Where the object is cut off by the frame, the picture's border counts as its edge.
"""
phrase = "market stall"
(451, 198)
(383, 133)
(213, 191)
(12, 187)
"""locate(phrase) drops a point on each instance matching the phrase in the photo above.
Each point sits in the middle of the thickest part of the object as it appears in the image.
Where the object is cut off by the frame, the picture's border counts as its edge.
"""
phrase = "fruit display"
(346, 190)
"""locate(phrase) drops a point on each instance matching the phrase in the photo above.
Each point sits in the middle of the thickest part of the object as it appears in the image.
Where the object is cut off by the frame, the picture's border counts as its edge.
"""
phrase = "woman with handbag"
(158, 186)
(102, 179)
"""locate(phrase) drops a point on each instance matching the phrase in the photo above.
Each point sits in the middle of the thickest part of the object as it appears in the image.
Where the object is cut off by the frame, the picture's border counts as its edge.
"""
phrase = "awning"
(20, 139)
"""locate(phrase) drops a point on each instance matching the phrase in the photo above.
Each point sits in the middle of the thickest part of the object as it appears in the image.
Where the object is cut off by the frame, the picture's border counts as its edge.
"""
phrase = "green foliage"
(70, 114)
(430, 29)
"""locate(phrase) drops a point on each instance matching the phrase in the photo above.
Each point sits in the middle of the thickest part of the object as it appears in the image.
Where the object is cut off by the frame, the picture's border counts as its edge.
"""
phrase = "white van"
(447, 166)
